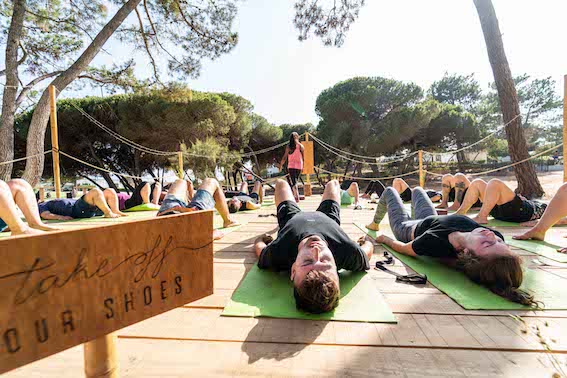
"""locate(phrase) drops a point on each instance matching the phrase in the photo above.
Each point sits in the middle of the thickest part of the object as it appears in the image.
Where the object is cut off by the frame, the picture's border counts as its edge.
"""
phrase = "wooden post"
(180, 164)
(307, 188)
(421, 173)
(55, 141)
(101, 357)
(564, 128)
(42, 194)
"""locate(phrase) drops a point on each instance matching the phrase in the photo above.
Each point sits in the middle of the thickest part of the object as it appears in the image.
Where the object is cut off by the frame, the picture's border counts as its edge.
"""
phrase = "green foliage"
(457, 90)
(211, 154)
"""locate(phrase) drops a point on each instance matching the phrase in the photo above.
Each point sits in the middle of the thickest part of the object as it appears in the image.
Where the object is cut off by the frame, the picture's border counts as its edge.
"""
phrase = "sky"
(408, 40)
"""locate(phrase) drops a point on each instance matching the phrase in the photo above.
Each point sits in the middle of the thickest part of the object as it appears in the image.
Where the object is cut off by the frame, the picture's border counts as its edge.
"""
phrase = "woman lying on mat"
(144, 193)
(555, 213)
(241, 200)
(95, 202)
(373, 187)
(19, 193)
(479, 252)
(501, 202)
(350, 194)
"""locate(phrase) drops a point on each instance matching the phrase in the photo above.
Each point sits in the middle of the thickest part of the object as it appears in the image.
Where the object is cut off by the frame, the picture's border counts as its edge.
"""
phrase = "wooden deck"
(434, 335)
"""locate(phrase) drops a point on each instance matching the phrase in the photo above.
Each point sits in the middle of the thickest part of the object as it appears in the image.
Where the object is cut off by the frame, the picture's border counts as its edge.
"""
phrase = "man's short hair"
(232, 207)
(317, 293)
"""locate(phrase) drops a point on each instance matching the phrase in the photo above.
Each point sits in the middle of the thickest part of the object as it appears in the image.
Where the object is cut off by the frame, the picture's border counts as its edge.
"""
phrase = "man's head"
(315, 278)
(234, 205)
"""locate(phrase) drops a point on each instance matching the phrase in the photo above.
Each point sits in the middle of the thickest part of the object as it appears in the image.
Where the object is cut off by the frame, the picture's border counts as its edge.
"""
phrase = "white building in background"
(470, 157)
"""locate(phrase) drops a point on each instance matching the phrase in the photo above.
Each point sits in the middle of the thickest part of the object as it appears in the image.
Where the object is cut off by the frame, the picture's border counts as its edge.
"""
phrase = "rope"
(360, 161)
(25, 158)
(368, 178)
(101, 169)
(475, 143)
(248, 154)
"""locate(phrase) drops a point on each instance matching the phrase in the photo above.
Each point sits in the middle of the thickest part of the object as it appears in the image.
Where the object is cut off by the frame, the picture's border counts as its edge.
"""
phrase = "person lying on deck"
(501, 202)
(404, 190)
(19, 193)
(478, 251)
(241, 200)
(555, 213)
(182, 198)
(95, 202)
(454, 189)
(313, 247)
(350, 194)
(373, 187)
(144, 193)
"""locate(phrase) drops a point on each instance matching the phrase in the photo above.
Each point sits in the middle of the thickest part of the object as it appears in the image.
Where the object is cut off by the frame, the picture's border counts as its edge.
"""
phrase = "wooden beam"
(66, 288)
(54, 141)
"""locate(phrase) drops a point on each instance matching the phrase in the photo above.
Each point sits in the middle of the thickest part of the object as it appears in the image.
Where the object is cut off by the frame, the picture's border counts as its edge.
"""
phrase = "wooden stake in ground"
(180, 164)
(308, 164)
(564, 127)
(101, 357)
(421, 173)
(54, 141)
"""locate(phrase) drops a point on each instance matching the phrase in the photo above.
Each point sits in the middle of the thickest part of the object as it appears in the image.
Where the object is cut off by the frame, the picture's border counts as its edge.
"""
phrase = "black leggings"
(375, 187)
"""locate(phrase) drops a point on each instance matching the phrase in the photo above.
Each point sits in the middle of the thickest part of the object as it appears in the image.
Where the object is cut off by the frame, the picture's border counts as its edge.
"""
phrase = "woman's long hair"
(502, 274)
(292, 142)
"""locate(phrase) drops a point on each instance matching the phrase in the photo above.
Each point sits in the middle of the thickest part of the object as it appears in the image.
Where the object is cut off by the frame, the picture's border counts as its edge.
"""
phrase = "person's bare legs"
(446, 184)
(180, 189)
(283, 192)
(96, 197)
(296, 192)
(554, 214)
(145, 193)
(112, 200)
(212, 186)
(496, 193)
(461, 183)
(474, 193)
(354, 191)
(332, 191)
(259, 189)
(24, 197)
(9, 213)
(400, 185)
(156, 193)
(243, 187)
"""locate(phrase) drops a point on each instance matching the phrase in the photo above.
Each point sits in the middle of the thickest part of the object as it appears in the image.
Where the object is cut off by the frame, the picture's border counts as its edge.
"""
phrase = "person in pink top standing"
(294, 155)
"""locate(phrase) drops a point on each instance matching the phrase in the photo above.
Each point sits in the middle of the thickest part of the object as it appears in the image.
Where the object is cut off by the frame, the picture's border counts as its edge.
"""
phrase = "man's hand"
(266, 238)
(364, 239)
(383, 239)
(261, 242)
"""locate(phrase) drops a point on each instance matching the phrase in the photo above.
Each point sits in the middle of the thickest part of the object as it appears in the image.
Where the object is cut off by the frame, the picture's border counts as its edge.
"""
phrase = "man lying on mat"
(182, 198)
(454, 189)
(555, 213)
(478, 251)
(19, 193)
(501, 202)
(95, 202)
(313, 247)
(241, 200)
(144, 193)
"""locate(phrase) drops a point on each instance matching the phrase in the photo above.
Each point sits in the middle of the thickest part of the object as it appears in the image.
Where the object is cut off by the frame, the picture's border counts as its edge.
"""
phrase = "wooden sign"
(308, 158)
(66, 288)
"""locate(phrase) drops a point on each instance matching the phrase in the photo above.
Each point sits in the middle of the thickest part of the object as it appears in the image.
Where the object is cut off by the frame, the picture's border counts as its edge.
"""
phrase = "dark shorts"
(294, 175)
(3, 225)
(478, 203)
(288, 209)
(202, 200)
(81, 209)
(255, 196)
(518, 210)
(406, 194)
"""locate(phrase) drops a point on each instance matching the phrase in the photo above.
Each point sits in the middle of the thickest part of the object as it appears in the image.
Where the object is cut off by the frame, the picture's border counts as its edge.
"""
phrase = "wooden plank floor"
(434, 335)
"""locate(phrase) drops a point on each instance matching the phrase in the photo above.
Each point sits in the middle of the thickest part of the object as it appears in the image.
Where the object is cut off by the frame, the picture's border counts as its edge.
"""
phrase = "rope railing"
(368, 178)
(25, 158)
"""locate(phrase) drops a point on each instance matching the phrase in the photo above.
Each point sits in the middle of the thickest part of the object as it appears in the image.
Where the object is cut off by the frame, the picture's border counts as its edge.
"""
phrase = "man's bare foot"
(529, 223)
(122, 214)
(454, 207)
(364, 195)
(217, 234)
(230, 223)
(111, 215)
(373, 226)
(531, 234)
(43, 227)
(480, 220)
(441, 206)
(27, 231)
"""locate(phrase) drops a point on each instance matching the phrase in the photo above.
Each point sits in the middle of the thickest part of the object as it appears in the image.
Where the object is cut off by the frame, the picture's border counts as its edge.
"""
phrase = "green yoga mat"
(143, 207)
(541, 248)
(270, 294)
(546, 287)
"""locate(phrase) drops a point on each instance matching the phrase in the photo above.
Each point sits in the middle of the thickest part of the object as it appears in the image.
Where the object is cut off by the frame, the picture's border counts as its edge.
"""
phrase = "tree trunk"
(38, 125)
(11, 89)
(528, 183)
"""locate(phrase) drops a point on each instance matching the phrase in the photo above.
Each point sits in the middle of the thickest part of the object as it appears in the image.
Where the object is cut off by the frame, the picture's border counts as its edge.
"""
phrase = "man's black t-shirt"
(432, 234)
(280, 254)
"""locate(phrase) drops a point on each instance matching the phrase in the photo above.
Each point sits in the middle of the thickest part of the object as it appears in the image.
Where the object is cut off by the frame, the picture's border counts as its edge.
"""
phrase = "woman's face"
(484, 242)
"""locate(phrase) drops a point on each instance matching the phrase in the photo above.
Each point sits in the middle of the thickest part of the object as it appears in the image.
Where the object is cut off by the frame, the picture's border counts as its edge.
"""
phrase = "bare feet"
(230, 223)
(27, 231)
(454, 207)
(364, 195)
(122, 214)
(531, 234)
(217, 234)
(529, 223)
(480, 220)
(43, 227)
(111, 215)
(373, 226)
(562, 250)
(441, 206)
